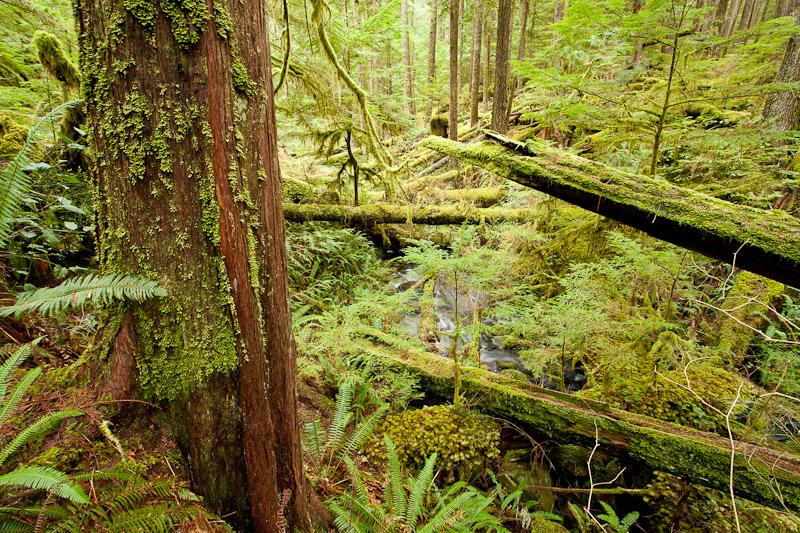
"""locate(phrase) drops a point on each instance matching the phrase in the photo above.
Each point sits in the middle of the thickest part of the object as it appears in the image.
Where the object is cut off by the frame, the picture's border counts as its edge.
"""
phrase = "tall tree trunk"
(486, 79)
(429, 101)
(504, 23)
(719, 15)
(781, 110)
(407, 88)
(638, 45)
(747, 10)
(517, 85)
(188, 191)
(453, 122)
(781, 8)
(730, 21)
(477, 33)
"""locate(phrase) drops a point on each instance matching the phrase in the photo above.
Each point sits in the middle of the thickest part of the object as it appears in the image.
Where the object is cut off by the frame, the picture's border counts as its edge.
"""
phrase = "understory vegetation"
(530, 294)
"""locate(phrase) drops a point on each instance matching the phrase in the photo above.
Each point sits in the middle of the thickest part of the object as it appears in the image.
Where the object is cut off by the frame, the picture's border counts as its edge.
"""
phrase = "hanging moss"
(53, 58)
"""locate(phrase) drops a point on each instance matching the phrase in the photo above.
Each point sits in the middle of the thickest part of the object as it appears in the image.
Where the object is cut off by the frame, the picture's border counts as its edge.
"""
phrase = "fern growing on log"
(14, 179)
(78, 292)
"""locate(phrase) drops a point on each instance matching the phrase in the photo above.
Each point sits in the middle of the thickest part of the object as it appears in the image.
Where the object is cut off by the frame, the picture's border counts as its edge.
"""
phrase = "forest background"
(701, 96)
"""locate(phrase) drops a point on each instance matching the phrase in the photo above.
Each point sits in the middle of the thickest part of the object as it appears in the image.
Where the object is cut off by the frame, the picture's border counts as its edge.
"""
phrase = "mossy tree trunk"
(179, 98)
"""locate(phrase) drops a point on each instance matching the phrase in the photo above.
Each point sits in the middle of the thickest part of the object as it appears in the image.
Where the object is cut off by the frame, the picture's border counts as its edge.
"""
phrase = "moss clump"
(12, 136)
(460, 438)
(53, 58)
(439, 124)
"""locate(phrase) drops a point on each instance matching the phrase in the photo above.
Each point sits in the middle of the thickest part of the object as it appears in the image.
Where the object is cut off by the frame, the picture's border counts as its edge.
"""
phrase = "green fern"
(78, 292)
(459, 508)
(14, 180)
(45, 478)
(610, 517)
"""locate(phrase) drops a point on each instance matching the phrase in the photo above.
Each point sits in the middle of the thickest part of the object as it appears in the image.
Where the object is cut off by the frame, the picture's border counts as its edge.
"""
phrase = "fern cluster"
(408, 504)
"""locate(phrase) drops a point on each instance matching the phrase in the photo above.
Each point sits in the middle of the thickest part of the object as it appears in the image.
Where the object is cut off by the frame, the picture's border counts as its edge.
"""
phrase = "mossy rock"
(461, 439)
(297, 191)
(12, 136)
(542, 525)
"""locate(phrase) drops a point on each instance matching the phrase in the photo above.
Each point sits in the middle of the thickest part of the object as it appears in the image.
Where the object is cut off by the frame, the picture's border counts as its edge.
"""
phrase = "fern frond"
(14, 181)
(313, 438)
(355, 511)
(419, 489)
(363, 432)
(396, 493)
(10, 366)
(77, 292)
(10, 404)
(355, 476)
(35, 430)
(629, 520)
(341, 416)
(12, 525)
(443, 519)
(45, 478)
(156, 518)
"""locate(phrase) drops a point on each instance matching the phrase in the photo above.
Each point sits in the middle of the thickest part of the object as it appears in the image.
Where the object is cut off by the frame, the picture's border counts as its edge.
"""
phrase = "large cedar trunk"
(183, 128)
(500, 101)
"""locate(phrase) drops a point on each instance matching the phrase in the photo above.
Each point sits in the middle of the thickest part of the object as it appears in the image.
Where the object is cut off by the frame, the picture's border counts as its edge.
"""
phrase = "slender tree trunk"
(200, 186)
(730, 21)
(429, 102)
(781, 8)
(453, 123)
(665, 107)
(638, 45)
(719, 15)
(504, 22)
(407, 87)
(477, 33)
(747, 10)
(487, 30)
(517, 85)
(781, 110)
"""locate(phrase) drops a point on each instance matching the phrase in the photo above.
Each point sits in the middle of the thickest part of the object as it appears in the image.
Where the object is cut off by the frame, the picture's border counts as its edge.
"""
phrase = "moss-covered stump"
(764, 242)
(368, 215)
(769, 476)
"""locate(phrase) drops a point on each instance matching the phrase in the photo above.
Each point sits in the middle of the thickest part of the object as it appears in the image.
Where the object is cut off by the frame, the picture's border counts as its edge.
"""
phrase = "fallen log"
(369, 215)
(764, 242)
(764, 475)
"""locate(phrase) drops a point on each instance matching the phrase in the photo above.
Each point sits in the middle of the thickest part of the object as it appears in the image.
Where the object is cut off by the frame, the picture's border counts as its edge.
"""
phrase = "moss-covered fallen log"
(761, 474)
(368, 215)
(764, 242)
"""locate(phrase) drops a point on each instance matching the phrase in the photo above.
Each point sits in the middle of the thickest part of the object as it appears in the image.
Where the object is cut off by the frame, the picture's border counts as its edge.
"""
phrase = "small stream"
(492, 351)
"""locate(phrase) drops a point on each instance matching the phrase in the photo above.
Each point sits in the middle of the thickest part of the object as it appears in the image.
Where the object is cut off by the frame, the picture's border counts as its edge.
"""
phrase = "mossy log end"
(369, 215)
(764, 242)
(768, 476)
